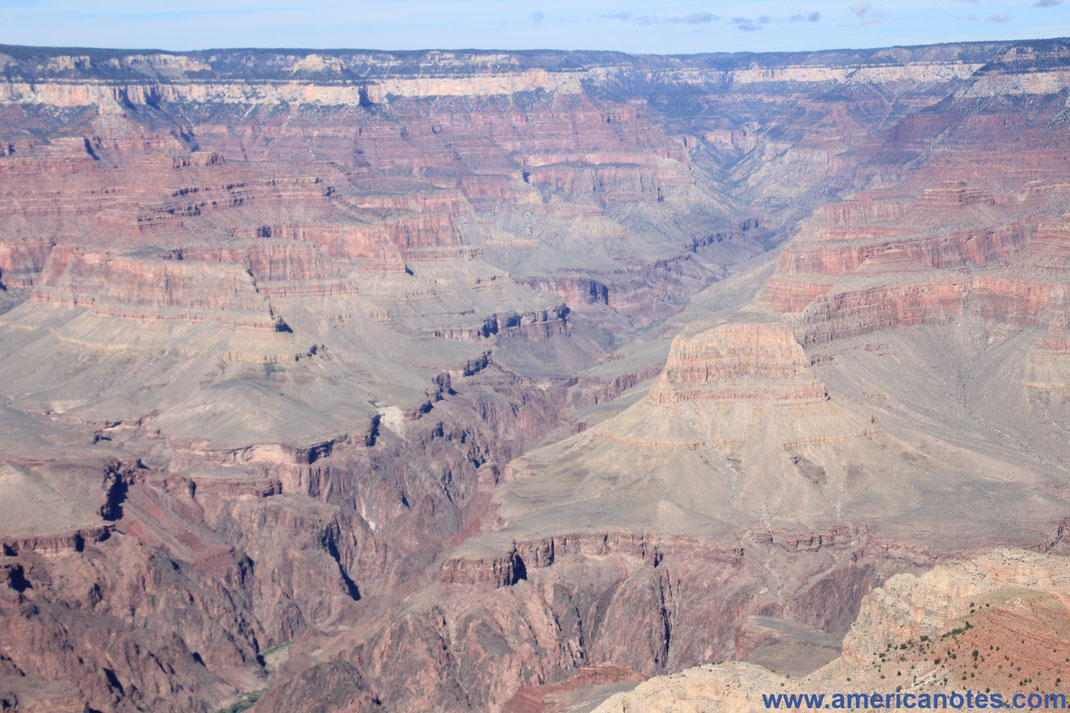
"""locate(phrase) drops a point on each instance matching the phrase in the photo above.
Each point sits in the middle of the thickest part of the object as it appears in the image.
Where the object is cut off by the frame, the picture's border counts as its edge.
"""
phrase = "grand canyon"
(531, 382)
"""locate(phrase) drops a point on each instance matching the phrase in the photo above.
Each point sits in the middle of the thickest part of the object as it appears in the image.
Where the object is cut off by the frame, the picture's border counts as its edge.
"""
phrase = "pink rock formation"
(738, 361)
(147, 287)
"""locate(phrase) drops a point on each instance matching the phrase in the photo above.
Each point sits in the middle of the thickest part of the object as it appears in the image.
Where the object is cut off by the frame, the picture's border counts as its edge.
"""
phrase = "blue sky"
(627, 25)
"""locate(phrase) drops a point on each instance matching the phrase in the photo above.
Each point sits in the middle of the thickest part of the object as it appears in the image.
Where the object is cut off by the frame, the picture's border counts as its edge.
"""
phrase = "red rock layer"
(849, 314)
(792, 294)
(574, 290)
(738, 361)
(268, 260)
(546, 698)
(1016, 302)
(492, 572)
(63, 543)
(912, 254)
(137, 286)
(971, 247)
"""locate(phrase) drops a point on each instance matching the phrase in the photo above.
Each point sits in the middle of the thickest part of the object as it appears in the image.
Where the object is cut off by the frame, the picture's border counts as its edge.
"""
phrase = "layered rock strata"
(322, 306)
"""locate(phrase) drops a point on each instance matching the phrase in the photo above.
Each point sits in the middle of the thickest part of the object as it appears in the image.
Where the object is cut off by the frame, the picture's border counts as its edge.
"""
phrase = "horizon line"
(486, 50)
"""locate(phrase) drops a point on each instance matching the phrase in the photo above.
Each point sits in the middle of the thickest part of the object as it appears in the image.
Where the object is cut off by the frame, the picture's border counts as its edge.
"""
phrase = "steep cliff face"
(146, 287)
(188, 540)
(436, 381)
(738, 361)
(572, 601)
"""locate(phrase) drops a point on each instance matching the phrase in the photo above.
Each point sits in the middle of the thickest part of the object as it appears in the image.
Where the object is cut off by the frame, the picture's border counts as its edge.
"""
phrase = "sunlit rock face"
(738, 361)
(503, 381)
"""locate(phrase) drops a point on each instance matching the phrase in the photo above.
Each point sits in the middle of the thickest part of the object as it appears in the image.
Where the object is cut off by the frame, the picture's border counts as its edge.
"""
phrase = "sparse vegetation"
(245, 703)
